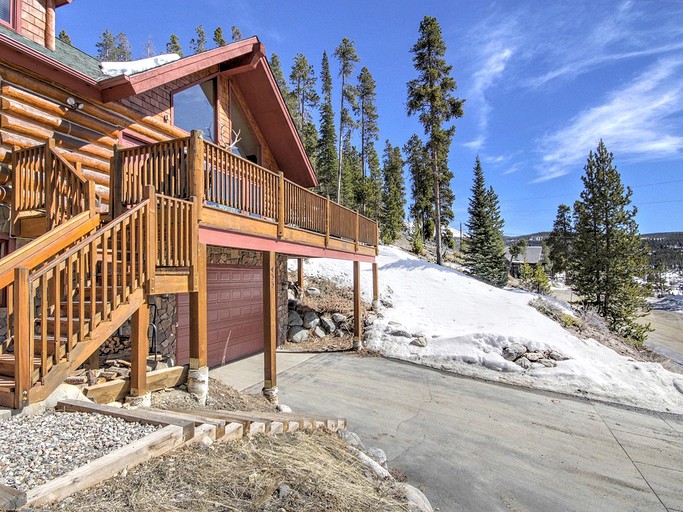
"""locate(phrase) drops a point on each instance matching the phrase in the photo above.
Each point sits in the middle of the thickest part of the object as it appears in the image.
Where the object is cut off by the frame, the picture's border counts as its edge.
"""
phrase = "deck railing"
(28, 179)
(192, 167)
(175, 224)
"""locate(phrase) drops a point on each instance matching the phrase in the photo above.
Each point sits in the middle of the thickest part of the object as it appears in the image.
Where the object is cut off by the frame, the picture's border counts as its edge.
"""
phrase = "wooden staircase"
(71, 288)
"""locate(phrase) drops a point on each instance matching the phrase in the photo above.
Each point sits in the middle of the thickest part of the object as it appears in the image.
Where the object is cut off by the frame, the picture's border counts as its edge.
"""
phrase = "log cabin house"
(184, 185)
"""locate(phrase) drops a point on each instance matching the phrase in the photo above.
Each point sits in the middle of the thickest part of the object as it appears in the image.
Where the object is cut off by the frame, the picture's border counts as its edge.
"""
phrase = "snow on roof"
(137, 66)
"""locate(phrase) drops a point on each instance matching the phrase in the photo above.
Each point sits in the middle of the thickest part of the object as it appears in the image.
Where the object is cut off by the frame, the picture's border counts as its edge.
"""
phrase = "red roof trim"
(60, 3)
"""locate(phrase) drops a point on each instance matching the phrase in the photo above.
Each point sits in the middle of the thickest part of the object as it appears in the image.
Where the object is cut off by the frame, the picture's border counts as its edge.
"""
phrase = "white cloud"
(635, 122)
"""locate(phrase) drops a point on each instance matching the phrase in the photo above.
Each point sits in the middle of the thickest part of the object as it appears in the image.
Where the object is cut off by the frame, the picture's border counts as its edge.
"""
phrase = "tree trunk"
(341, 129)
(437, 201)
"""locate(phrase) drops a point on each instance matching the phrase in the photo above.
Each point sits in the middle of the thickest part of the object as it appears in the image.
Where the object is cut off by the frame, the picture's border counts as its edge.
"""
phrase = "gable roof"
(532, 256)
(244, 61)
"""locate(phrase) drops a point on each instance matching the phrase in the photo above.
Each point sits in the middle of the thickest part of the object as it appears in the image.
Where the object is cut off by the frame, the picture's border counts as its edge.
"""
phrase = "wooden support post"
(269, 325)
(198, 320)
(151, 240)
(23, 331)
(116, 184)
(194, 242)
(196, 165)
(281, 206)
(375, 282)
(357, 311)
(94, 360)
(139, 349)
(357, 229)
(49, 184)
(328, 211)
(16, 192)
(90, 198)
(300, 274)
(376, 239)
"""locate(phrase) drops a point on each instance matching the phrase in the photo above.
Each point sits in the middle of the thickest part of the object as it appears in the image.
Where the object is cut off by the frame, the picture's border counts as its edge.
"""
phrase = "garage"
(234, 315)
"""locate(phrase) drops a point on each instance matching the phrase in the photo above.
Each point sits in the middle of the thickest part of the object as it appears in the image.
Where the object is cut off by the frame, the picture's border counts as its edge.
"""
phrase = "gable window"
(194, 108)
(244, 141)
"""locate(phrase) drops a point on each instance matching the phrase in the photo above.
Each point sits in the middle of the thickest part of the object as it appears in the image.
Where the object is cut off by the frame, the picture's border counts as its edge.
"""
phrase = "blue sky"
(543, 82)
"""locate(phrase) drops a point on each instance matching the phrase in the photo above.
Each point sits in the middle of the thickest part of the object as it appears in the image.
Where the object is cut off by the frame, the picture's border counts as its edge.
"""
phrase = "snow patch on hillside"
(467, 324)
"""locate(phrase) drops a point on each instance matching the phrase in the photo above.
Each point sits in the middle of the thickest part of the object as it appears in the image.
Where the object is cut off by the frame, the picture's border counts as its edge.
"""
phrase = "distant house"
(533, 256)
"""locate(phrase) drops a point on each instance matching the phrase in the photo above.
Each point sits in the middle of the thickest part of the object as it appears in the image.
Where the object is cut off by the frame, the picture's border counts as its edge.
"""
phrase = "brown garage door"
(234, 314)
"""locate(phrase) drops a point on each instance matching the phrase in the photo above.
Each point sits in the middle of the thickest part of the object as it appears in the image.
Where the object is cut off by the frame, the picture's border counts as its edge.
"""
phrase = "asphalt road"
(477, 446)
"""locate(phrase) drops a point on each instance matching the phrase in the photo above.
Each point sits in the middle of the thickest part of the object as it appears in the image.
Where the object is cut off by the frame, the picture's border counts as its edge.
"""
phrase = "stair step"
(6, 384)
(38, 348)
(64, 323)
(7, 365)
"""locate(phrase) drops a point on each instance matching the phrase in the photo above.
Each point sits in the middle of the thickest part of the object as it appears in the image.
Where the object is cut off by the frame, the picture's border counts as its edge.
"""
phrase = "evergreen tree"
(526, 275)
(302, 80)
(327, 144)
(393, 195)
(517, 249)
(351, 176)
(106, 47)
(218, 37)
(64, 37)
(369, 130)
(173, 45)
(279, 76)
(198, 44)
(541, 281)
(347, 57)
(122, 51)
(608, 253)
(430, 96)
(485, 250)
(560, 239)
(149, 48)
(236, 34)
(373, 189)
(421, 187)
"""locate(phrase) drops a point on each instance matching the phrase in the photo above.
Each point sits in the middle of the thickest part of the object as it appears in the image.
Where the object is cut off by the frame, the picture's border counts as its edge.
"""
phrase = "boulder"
(350, 437)
(283, 408)
(417, 501)
(311, 291)
(400, 333)
(297, 334)
(338, 318)
(319, 332)
(524, 363)
(514, 351)
(420, 341)
(311, 319)
(548, 363)
(328, 324)
(556, 356)
(378, 455)
(534, 356)
(294, 319)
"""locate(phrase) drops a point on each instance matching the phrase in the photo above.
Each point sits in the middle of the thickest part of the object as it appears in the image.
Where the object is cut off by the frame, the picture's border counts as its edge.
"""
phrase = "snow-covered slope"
(468, 323)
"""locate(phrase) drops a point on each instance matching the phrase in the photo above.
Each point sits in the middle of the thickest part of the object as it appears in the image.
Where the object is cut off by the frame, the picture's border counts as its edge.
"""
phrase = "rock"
(290, 294)
(370, 463)
(319, 332)
(400, 333)
(350, 437)
(283, 408)
(395, 324)
(417, 501)
(514, 351)
(64, 392)
(678, 384)
(339, 318)
(420, 341)
(297, 334)
(205, 443)
(534, 356)
(523, 362)
(378, 455)
(75, 380)
(311, 319)
(548, 363)
(328, 324)
(387, 303)
(294, 319)
(370, 319)
(556, 356)
(293, 304)
(283, 491)
(312, 292)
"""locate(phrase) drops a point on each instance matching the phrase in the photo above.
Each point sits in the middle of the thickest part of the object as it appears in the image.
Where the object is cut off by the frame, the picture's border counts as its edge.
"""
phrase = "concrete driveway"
(477, 446)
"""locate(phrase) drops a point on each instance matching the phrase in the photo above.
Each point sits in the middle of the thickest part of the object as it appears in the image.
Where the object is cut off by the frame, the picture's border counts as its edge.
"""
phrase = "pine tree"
(279, 76)
(347, 57)
(218, 37)
(369, 130)
(560, 239)
(541, 281)
(517, 249)
(608, 253)
(430, 96)
(393, 195)
(173, 45)
(302, 80)
(122, 50)
(149, 48)
(236, 34)
(373, 190)
(64, 37)
(351, 175)
(198, 44)
(485, 250)
(421, 186)
(526, 275)
(106, 47)
(327, 143)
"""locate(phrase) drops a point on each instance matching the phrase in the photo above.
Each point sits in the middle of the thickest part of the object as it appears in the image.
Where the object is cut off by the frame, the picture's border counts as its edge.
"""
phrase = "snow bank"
(468, 323)
(137, 66)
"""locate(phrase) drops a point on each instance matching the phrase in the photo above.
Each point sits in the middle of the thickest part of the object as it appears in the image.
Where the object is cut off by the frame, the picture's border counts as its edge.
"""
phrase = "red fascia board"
(28, 58)
(235, 240)
(122, 86)
(60, 3)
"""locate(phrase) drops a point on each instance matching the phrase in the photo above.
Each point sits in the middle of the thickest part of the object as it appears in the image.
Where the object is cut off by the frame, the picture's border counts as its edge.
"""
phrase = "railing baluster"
(43, 329)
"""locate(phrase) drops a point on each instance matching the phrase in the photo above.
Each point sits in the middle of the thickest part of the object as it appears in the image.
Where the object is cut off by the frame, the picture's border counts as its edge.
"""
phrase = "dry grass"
(245, 476)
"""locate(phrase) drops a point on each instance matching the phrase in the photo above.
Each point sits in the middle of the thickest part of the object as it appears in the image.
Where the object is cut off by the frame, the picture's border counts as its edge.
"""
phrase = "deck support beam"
(269, 326)
(357, 310)
(300, 275)
(198, 313)
(375, 286)
(139, 351)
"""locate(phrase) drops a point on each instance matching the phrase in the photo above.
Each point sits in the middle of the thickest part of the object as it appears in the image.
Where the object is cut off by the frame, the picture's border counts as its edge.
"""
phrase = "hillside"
(466, 325)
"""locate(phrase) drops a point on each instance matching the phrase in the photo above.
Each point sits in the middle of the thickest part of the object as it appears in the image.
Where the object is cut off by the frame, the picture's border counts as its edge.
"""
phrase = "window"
(194, 108)
(6, 11)
(245, 143)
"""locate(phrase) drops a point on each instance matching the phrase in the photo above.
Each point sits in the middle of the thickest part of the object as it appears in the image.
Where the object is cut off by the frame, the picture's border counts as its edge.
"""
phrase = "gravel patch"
(39, 448)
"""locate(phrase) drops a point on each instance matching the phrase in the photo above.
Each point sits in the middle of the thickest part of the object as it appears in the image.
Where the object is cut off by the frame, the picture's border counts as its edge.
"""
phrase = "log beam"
(357, 311)
(198, 315)
(139, 350)
(269, 326)
(375, 282)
